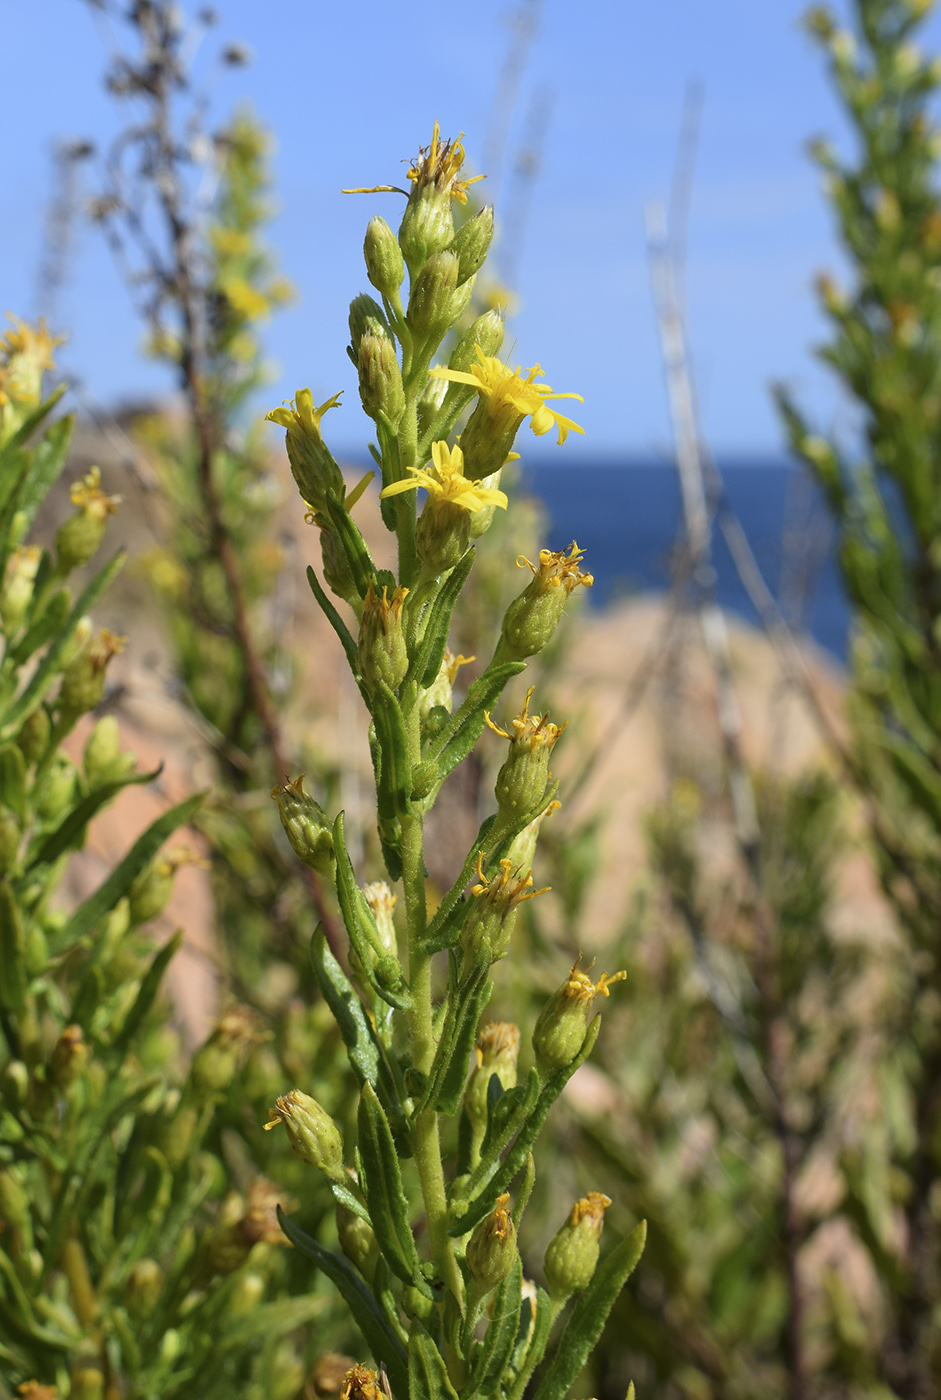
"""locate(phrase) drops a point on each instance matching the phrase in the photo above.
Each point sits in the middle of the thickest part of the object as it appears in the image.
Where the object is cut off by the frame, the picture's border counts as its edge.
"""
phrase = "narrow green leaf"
(118, 883)
(589, 1316)
(377, 1331)
(147, 995)
(29, 425)
(427, 1374)
(347, 1010)
(46, 462)
(494, 1358)
(445, 928)
(358, 557)
(49, 667)
(526, 1357)
(427, 662)
(358, 918)
(71, 829)
(498, 1178)
(460, 1009)
(395, 778)
(385, 1194)
(334, 618)
(12, 967)
(13, 779)
(471, 1002)
(459, 737)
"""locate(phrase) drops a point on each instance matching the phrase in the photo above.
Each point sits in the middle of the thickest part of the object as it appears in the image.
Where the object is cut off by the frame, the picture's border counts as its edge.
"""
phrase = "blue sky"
(351, 90)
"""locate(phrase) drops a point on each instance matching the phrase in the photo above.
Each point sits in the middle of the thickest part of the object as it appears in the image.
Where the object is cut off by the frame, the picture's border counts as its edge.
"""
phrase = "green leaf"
(394, 775)
(358, 918)
(472, 998)
(385, 1194)
(147, 995)
(46, 462)
(71, 829)
(335, 620)
(47, 670)
(459, 737)
(589, 1316)
(427, 662)
(358, 557)
(525, 1358)
(12, 967)
(494, 1358)
(497, 1176)
(118, 883)
(445, 928)
(427, 1374)
(29, 425)
(13, 779)
(459, 1012)
(377, 1331)
(347, 1010)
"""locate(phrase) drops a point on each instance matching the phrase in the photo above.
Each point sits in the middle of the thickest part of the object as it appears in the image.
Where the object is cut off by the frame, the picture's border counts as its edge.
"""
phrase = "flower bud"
(307, 827)
(312, 466)
(9, 839)
(83, 682)
(102, 759)
(88, 1381)
(385, 266)
(217, 1062)
(497, 1050)
(491, 1249)
(78, 539)
(471, 244)
(427, 224)
(521, 782)
(481, 520)
(25, 352)
(245, 1297)
(14, 1084)
(560, 1031)
(380, 379)
(17, 592)
(68, 1057)
(381, 654)
(365, 315)
(175, 1134)
(358, 1241)
(336, 567)
(572, 1256)
(522, 851)
(531, 619)
(312, 1132)
(431, 298)
(242, 1223)
(143, 1287)
(14, 1208)
(55, 790)
(151, 890)
(33, 738)
(490, 920)
(485, 334)
(381, 902)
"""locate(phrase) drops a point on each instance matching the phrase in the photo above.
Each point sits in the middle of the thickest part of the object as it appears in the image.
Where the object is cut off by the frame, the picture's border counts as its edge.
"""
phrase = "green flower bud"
(471, 245)
(358, 1241)
(365, 315)
(442, 533)
(380, 379)
(143, 1288)
(381, 653)
(312, 1132)
(460, 301)
(102, 759)
(429, 403)
(33, 738)
(248, 1292)
(9, 839)
(83, 682)
(88, 1381)
(531, 619)
(572, 1256)
(78, 539)
(242, 1223)
(35, 950)
(14, 1208)
(490, 920)
(441, 691)
(307, 827)
(14, 1084)
(560, 1031)
(68, 1057)
(55, 791)
(176, 1134)
(491, 1249)
(485, 334)
(521, 782)
(497, 1049)
(385, 266)
(336, 567)
(481, 520)
(17, 592)
(151, 890)
(431, 298)
(522, 851)
(312, 466)
(217, 1061)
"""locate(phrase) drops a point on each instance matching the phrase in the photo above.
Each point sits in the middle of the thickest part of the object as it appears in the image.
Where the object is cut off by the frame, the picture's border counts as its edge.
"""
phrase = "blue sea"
(626, 515)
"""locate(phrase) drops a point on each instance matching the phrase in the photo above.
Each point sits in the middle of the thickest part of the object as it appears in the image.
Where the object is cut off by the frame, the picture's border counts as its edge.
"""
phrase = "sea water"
(626, 514)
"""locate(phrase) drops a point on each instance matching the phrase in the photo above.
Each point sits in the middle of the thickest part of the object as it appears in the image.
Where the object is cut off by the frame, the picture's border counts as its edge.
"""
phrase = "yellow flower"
(299, 413)
(438, 165)
(230, 242)
(558, 569)
(530, 731)
(508, 393)
(245, 299)
(447, 483)
(32, 341)
(89, 497)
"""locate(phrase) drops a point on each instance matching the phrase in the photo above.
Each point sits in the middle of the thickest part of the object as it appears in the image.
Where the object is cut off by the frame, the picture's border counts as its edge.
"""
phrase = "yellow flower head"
(530, 731)
(89, 497)
(591, 1208)
(246, 301)
(436, 165)
(384, 613)
(558, 569)
(360, 1383)
(505, 890)
(446, 482)
(496, 1039)
(100, 649)
(33, 343)
(508, 394)
(299, 416)
(579, 987)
